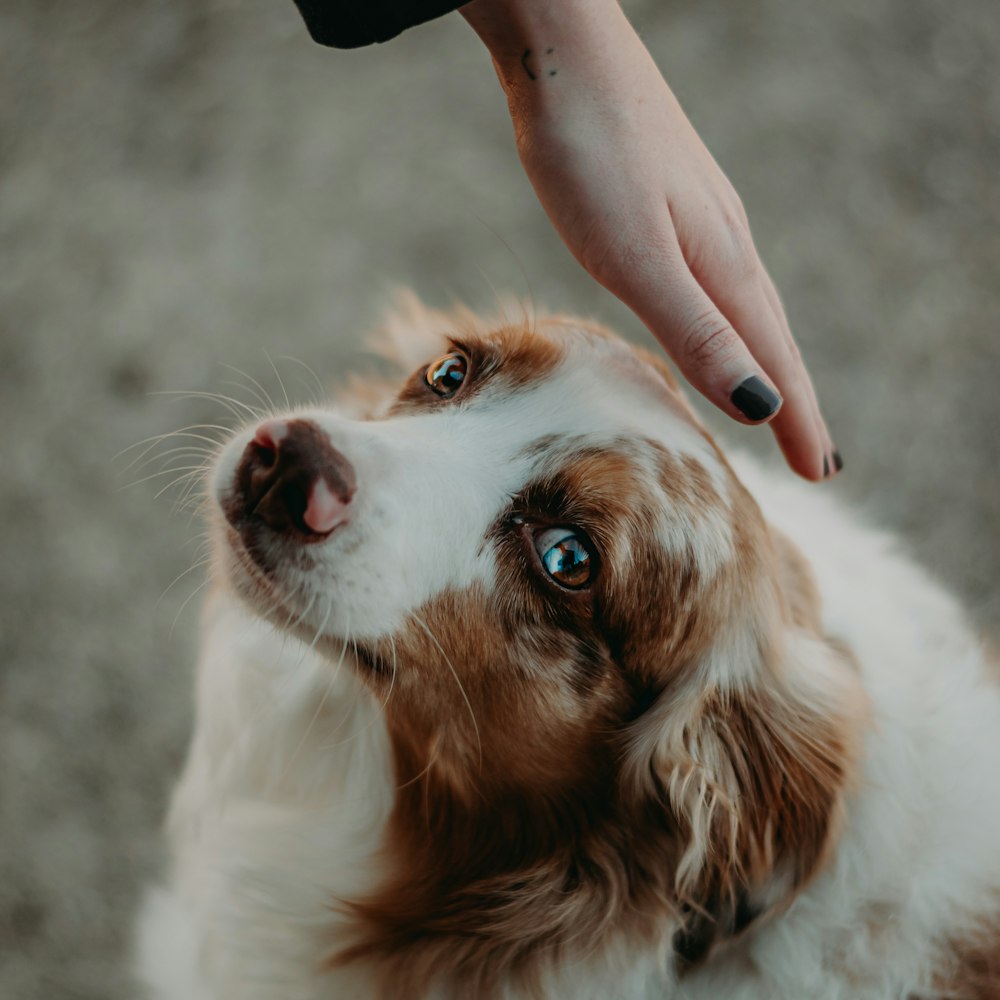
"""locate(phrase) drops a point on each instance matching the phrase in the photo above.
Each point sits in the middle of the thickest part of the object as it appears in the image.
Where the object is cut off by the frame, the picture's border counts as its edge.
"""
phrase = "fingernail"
(838, 462)
(755, 399)
(826, 467)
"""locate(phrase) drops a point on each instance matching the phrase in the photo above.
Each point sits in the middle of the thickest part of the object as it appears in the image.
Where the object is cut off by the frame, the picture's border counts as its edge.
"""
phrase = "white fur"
(288, 783)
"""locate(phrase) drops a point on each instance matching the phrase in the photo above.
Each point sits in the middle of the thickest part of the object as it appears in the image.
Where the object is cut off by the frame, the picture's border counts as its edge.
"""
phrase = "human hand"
(642, 205)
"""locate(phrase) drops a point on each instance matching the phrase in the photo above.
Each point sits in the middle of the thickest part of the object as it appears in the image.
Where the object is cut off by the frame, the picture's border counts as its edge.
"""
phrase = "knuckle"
(739, 214)
(708, 340)
(741, 253)
(596, 250)
(627, 260)
(796, 354)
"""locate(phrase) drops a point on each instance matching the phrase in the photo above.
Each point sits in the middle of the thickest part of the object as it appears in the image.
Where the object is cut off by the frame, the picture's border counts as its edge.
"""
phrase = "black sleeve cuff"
(346, 25)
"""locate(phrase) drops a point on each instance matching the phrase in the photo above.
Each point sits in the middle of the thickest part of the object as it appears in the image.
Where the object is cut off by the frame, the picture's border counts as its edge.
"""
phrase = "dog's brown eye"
(565, 556)
(447, 374)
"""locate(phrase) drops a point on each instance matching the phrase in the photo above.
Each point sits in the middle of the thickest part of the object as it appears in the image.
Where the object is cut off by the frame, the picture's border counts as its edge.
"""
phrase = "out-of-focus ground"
(195, 183)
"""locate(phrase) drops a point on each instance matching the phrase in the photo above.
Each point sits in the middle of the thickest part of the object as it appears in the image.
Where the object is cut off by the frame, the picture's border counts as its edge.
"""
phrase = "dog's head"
(610, 703)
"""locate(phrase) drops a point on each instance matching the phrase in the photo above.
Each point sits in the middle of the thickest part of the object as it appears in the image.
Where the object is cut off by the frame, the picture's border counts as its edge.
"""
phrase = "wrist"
(532, 39)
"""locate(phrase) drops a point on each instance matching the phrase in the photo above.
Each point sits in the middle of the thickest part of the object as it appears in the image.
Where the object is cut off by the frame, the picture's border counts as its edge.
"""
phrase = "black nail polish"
(755, 399)
(826, 467)
(838, 462)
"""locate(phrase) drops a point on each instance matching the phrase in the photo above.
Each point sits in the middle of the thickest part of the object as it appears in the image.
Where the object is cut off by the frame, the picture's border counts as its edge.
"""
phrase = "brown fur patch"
(973, 967)
(798, 587)
(992, 656)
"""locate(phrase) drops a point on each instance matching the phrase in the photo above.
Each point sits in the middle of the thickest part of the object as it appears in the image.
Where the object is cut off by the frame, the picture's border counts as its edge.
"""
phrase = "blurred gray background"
(190, 184)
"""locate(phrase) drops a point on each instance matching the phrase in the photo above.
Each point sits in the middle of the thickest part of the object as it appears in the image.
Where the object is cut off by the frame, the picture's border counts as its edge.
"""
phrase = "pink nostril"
(270, 434)
(324, 511)
(266, 441)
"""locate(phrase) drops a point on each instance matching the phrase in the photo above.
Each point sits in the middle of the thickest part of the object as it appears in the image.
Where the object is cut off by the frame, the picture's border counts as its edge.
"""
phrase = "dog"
(512, 685)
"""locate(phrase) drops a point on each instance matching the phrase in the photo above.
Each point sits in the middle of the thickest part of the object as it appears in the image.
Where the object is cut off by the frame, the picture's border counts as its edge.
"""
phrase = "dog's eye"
(565, 556)
(447, 374)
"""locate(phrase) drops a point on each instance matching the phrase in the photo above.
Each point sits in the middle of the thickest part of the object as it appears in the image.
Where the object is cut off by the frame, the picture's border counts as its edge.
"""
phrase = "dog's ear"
(411, 333)
(752, 779)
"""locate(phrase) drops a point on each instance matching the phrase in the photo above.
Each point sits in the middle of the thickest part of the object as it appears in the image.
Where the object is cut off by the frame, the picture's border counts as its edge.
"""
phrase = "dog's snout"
(292, 478)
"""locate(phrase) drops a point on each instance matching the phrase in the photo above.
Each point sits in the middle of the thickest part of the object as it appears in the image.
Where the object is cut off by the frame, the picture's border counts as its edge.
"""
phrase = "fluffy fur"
(756, 758)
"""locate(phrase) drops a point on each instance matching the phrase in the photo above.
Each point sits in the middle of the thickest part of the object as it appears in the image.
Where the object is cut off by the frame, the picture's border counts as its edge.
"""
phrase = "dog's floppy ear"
(752, 778)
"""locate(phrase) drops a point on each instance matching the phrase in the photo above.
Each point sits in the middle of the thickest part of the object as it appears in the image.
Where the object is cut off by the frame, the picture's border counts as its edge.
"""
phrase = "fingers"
(791, 428)
(701, 340)
(726, 330)
(753, 306)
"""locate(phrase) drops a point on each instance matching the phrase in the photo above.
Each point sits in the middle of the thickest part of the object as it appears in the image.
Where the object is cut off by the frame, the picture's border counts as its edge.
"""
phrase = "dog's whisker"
(191, 469)
(194, 474)
(189, 447)
(193, 504)
(375, 718)
(349, 711)
(198, 564)
(322, 390)
(431, 761)
(185, 451)
(154, 439)
(295, 622)
(458, 681)
(194, 593)
(261, 393)
(235, 406)
(529, 296)
(281, 382)
(192, 498)
(281, 689)
(216, 443)
(264, 405)
(322, 625)
(395, 670)
(331, 683)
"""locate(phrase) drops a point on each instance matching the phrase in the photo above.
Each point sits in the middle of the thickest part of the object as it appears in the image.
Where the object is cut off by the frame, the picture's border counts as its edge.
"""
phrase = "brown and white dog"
(513, 686)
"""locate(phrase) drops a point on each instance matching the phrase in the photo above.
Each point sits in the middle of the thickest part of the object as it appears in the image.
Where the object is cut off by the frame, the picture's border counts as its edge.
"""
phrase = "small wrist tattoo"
(532, 64)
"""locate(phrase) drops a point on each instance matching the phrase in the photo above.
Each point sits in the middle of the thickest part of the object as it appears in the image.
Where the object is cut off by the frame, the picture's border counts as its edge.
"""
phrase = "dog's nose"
(292, 478)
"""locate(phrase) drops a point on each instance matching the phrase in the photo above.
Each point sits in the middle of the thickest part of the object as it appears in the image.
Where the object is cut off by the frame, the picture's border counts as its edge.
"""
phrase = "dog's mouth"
(255, 575)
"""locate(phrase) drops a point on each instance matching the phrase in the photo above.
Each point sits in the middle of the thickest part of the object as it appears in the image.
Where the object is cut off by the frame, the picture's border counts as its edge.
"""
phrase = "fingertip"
(833, 463)
(813, 467)
(805, 450)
